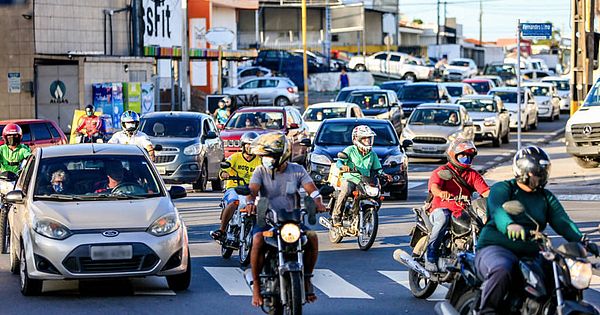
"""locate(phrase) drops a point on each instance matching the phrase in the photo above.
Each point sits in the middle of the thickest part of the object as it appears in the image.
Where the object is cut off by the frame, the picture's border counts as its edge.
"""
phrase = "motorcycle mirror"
(311, 209)
(513, 207)
(225, 164)
(342, 155)
(8, 176)
(326, 190)
(445, 174)
(261, 212)
(242, 190)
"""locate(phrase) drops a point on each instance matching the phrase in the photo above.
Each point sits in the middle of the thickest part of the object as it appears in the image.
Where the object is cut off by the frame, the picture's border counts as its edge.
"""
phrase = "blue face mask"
(57, 187)
(467, 160)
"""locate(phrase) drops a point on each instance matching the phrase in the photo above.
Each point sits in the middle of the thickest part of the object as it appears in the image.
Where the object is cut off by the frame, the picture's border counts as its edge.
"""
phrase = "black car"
(415, 94)
(368, 100)
(334, 135)
(286, 63)
(395, 86)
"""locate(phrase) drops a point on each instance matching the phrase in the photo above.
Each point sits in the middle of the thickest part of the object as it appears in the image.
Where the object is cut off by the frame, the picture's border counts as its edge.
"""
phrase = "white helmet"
(362, 137)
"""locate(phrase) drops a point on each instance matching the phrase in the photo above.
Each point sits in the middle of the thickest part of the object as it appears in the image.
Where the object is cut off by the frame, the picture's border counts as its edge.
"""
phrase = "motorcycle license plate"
(111, 252)
(162, 170)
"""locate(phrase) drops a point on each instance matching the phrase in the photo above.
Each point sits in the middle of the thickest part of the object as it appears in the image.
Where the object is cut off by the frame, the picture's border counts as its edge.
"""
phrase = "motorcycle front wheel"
(420, 287)
(294, 294)
(4, 231)
(246, 245)
(368, 233)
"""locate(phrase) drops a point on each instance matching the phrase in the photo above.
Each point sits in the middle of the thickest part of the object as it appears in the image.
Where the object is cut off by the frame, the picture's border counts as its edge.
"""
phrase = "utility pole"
(185, 59)
(327, 41)
(519, 85)
(481, 22)
(444, 28)
(582, 50)
(437, 36)
(304, 57)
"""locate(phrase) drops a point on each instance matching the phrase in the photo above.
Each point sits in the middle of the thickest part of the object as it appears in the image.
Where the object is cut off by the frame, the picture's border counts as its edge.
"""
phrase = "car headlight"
(51, 229)
(394, 158)
(407, 134)
(371, 191)
(290, 232)
(193, 149)
(490, 121)
(164, 225)
(320, 159)
(580, 272)
(455, 135)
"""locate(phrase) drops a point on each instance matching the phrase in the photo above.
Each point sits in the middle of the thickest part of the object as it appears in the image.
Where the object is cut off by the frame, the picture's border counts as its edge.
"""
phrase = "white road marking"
(151, 286)
(498, 158)
(335, 286)
(401, 277)
(582, 197)
(412, 185)
(595, 284)
(231, 279)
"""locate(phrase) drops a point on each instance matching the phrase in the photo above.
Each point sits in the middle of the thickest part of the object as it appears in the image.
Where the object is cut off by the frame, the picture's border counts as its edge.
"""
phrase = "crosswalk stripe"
(595, 284)
(412, 185)
(401, 277)
(335, 286)
(231, 279)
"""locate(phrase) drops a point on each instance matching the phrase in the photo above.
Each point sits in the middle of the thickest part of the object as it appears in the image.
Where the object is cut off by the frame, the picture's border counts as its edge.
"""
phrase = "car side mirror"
(294, 126)
(211, 135)
(407, 143)
(8, 176)
(305, 142)
(15, 196)
(177, 192)
(158, 147)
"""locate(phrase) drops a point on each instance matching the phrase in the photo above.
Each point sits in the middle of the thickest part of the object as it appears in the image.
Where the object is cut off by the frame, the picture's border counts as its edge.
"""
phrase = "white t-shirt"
(138, 138)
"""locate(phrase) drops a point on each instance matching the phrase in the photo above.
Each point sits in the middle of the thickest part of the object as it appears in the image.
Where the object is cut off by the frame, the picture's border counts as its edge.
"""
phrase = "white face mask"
(129, 126)
(268, 162)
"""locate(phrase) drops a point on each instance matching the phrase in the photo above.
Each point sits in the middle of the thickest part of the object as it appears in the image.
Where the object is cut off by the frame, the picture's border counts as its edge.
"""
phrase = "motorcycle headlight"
(320, 159)
(371, 191)
(580, 272)
(51, 229)
(193, 149)
(164, 225)
(290, 232)
(393, 158)
(490, 121)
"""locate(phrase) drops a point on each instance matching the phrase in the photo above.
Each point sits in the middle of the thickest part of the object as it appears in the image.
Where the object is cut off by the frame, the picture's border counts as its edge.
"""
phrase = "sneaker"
(431, 267)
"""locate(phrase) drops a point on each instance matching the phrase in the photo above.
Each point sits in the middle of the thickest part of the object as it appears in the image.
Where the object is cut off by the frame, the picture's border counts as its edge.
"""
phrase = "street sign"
(14, 82)
(536, 30)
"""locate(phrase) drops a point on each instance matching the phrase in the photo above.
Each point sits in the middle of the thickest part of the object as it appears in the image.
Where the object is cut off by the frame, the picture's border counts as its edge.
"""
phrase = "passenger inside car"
(452, 119)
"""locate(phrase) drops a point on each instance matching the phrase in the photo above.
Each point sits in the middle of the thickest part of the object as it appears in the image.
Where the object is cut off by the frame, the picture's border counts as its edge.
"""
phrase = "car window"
(40, 131)
(540, 90)
(205, 127)
(369, 99)
(435, 116)
(480, 87)
(419, 92)
(296, 116)
(211, 126)
(507, 97)
(381, 56)
(486, 106)
(455, 90)
(341, 134)
(289, 119)
(459, 63)
(248, 72)
(342, 95)
(272, 54)
(53, 131)
(358, 112)
(250, 84)
(320, 114)
(395, 58)
(268, 83)
(171, 127)
(256, 120)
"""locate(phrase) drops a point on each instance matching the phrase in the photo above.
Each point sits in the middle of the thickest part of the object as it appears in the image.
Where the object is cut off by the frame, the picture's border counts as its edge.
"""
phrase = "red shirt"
(471, 176)
(91, 124)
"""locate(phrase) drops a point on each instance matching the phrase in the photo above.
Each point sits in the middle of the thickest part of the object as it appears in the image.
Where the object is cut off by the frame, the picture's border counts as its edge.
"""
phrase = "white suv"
(394, 64)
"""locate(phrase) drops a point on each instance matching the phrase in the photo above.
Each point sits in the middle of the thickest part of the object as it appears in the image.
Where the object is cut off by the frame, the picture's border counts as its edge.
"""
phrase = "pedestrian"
(344, 81)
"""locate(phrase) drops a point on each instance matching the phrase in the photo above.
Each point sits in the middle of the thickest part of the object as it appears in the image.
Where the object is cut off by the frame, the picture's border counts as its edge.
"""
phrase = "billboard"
(133, 96)
(162, 23)
(347, 18)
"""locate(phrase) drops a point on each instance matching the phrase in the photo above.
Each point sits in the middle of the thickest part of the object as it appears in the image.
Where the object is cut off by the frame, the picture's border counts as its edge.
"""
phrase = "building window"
(137, 76)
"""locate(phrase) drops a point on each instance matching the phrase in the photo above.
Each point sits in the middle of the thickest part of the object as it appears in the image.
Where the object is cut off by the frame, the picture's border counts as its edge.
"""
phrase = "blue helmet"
(130, 121)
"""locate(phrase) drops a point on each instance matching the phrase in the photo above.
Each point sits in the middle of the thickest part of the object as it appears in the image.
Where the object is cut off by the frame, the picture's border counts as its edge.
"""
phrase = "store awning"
(196, 53)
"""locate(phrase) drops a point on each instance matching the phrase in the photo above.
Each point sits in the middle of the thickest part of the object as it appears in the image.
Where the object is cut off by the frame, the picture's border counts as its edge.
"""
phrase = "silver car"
(276, 91)
(432, 127)
(91, 211)
(490, 117)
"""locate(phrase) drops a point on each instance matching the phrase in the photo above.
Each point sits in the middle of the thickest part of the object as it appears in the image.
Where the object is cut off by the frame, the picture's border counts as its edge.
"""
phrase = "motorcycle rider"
(364, 159)
(279, 180)
(91, 123)
(130, 121)
(502, 241)
(242, 165)
(460, 154)
(12, 152)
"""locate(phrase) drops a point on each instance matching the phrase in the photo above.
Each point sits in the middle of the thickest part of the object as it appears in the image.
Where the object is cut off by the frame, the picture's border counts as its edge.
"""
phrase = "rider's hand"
(592, 248)
(389, 177)
(444, 195)
(224, 175)
(320, 206)
(251, 208)
(515, 231)
(345, 168)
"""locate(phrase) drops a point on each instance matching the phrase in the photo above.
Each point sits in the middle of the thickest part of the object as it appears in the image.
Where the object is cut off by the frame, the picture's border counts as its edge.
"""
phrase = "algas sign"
(162, 23)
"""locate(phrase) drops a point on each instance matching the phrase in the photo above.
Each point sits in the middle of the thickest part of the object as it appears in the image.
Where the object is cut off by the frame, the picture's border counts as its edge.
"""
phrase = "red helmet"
(461, 146)
(12, 130)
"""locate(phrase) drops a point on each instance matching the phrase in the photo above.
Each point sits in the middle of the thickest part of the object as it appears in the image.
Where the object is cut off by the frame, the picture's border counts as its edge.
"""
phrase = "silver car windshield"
(483, 106)
(440, 117)
(256, 120)
(319, 114)
(96, 177)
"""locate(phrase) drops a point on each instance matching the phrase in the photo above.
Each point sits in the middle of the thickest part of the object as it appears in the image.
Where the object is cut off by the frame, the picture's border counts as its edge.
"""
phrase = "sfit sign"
(162, 23)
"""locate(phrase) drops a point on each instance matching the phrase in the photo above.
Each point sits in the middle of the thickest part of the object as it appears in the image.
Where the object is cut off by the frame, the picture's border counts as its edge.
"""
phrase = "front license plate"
(162, 170)
(111, 252)
(429, 149)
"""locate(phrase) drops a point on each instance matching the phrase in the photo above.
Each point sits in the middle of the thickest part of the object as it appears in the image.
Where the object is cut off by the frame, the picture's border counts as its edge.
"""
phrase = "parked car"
(496, 79)
(37, 132)
(335, 135)
(395, 64)
(191, 147)
(282, 60)
(276, 91)
(334, 64)
(507, 71)
(369, 102)
(92, 230)
(285, 119)
(547, 99)
(432, 129)
(415, 94)
(489, 116)
(253, 72)
(315, 114)
(343, 93)
(582, 131)
(481, 86)
(459, 69)
(395, 85)
(563, 89)
(457, 90)
(529, 109)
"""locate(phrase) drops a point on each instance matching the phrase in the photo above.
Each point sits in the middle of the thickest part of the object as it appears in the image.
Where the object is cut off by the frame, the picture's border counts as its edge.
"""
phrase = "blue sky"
(499, 16)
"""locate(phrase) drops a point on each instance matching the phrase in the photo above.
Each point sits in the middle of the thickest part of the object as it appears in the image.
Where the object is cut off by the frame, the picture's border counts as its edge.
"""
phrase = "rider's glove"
(515, 231)
(592, 248)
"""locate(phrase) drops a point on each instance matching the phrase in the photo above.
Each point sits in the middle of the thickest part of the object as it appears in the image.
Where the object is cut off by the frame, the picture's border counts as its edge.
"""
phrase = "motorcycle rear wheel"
(371, 221)
(420, 287)
(466, 303)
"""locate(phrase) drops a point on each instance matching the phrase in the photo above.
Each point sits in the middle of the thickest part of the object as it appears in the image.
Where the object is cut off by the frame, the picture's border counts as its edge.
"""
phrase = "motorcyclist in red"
(92, 125)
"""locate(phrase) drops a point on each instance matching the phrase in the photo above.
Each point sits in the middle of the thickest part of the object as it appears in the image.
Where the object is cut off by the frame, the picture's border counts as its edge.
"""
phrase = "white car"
(316, 113)
(253, 72)
(563, 89)
(460, 69)
(458, 90)
(547, 99)
(395, 64)
(529, 109)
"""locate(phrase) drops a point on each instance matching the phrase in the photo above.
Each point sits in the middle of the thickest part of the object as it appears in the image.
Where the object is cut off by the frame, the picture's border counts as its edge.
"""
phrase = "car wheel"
(402, 194)
(525, 124)
(14, 260)
(216, 184)
(558, 114)
(282, 101)
(29, 286)
(506, 137)
(200, 184)
(360, 67)
(410, 77)
(535, 123)
(586, 162)
(181, 281)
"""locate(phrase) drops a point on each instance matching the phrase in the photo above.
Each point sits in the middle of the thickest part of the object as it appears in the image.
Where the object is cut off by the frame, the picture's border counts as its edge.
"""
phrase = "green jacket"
(542, 206)
(10, 160)
(363, 163)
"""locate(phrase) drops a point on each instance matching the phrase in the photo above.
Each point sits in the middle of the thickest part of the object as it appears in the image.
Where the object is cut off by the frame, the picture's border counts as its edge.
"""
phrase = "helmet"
(531, 166)
(247, 138)
(89, 110)
(12, 134)
(130, 121)
(272, 144)
(461, 146)
(359, 133)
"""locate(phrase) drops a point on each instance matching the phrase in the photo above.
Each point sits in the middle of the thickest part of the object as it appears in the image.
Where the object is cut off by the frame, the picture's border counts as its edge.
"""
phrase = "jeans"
(439, 219)
(346, 190)
(497, 265)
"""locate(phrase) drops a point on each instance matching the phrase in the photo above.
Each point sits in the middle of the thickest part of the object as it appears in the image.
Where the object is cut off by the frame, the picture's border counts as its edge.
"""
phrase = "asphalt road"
(348, 281)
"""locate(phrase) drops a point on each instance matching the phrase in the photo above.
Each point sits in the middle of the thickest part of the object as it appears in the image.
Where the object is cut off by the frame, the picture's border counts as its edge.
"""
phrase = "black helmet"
(272, 144)
(89, 110)
(531, 166)
(247, 138)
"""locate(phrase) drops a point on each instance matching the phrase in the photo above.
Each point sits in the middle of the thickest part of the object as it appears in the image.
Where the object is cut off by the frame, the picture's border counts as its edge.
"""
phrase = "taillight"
(290, 89)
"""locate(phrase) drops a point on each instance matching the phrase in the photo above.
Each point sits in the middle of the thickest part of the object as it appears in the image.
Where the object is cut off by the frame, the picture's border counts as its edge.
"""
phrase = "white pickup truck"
(394, 64)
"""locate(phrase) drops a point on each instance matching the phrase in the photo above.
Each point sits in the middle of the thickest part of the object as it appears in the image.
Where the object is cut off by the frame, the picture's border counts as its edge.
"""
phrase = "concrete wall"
(16, 55)
(223, 17)
(72, 25)
(328, 81)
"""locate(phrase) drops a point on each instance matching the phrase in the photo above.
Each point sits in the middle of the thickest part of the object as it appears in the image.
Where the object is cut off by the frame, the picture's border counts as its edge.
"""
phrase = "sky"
(499, 16)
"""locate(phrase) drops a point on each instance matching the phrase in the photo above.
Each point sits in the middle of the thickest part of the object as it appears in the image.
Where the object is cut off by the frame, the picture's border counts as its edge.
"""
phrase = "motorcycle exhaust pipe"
(407, 260)
(445, 308)
(325, 222)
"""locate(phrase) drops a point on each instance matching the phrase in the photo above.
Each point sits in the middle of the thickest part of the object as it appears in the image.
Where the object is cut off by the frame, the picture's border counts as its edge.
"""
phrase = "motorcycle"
(239, 229)
(360, 217)
(460, 237)
(571, 276)
(7, 184)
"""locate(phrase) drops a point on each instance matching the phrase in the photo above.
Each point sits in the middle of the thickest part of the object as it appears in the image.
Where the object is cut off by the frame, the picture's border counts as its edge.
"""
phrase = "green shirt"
(10, 160)
(363, 163)
(542, 206)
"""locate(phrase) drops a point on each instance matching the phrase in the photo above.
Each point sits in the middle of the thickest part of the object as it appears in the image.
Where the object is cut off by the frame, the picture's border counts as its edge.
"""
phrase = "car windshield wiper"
(58, 197)
(417, 123)
(121, 197)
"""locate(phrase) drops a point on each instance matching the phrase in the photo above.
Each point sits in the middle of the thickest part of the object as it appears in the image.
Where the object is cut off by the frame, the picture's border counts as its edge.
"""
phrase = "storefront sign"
(162, 23)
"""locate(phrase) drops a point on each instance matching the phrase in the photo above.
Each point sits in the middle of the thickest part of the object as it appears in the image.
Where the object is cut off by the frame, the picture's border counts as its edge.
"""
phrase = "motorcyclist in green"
(12, 152)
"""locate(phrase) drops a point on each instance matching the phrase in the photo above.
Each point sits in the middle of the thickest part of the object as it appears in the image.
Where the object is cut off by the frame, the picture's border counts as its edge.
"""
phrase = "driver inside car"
(114, 176)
